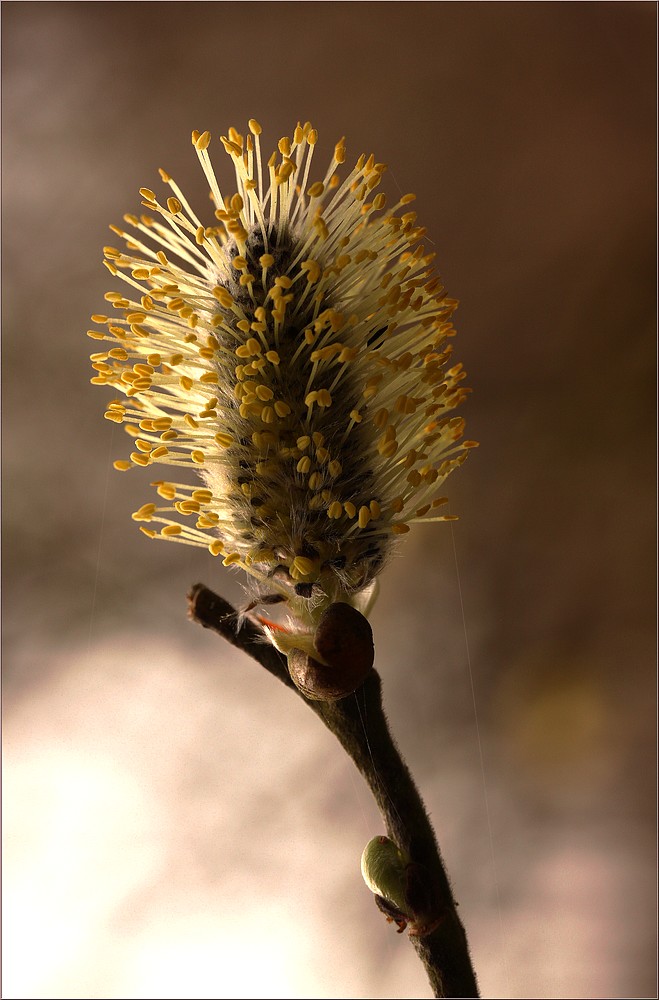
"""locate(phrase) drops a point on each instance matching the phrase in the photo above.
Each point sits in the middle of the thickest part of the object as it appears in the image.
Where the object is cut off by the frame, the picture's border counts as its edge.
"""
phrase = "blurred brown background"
(175, 824)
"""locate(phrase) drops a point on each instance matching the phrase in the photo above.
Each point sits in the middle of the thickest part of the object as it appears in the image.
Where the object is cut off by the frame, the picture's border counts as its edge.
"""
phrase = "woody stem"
(359, 723)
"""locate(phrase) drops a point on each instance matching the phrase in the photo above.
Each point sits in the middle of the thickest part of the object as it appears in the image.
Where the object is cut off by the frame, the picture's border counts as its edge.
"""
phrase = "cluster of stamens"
(295, 354)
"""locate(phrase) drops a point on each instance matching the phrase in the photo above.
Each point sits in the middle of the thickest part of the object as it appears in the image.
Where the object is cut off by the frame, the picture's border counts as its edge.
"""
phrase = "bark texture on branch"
(359, 723)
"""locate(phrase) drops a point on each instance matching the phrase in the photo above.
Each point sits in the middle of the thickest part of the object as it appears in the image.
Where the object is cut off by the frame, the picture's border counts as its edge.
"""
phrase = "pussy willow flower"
(295, 355)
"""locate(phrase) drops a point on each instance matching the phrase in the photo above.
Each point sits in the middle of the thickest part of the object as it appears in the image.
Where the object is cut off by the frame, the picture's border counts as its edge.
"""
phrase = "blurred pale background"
(176, 823)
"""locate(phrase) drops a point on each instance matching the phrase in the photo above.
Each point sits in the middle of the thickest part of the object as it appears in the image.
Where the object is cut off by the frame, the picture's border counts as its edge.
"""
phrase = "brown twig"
(359, 723)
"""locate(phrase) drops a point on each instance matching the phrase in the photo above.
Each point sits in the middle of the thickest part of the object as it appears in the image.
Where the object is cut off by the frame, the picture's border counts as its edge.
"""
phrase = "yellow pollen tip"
(364, 516)
(145, 513)
(303, 565)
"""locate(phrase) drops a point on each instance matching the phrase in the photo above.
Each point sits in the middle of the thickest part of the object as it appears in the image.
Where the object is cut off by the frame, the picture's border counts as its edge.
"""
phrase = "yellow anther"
(356, 416)
(139, 459)
(311, 398)
(264, 393)
(223, 439)
(143, 445)
(303, 565)
(232, 148)
(202, 496)
(254, 126)
(313, 270)
(284, 172)
(414, 478)
(174, 205)
(113, 415)
(324, 398)
(335, 510)
(145, 513)
(282, 409)
(334, 468)
(216, 547)
(239, 263)
(272, 357)
(266, 260)
(223, 296)
(316, 190)
(284, 146)
(198, 457)
(166, 490)
(159, 452)
(187, 507)
(202, 141)
(170, 530)
(364, 517)
(148, 532)
(147, 194)
(304, 465)
(303, 442)
(186, 383)
(154, 360)
(231, 559)
(315, 480)
(268, 415)
(375, 509)
(400, 528)
(121, 465)
(209, 378)
(350, 508)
